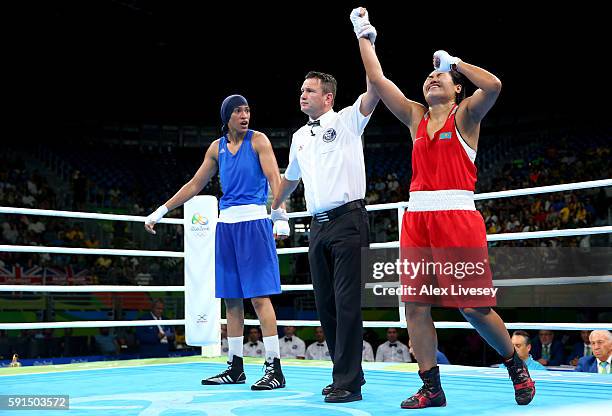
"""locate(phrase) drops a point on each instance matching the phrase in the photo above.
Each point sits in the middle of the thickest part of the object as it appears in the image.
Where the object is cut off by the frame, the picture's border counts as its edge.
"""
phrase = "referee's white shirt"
(397, 354)
(292, 347)
(254, 349)
(331, 162)
(318, 351)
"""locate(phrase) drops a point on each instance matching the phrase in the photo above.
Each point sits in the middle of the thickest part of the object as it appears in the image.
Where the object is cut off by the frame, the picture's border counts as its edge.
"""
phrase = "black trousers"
(334, 255)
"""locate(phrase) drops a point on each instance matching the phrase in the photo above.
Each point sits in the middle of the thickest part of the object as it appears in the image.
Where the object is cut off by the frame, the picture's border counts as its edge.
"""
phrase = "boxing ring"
(171, 386)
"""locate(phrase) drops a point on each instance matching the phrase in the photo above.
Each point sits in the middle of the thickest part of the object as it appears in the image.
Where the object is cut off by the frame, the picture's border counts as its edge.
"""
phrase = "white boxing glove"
(359, 21)
(278, 214)
(157, 215)
(442, 61)
(368, 32)
(281, 228)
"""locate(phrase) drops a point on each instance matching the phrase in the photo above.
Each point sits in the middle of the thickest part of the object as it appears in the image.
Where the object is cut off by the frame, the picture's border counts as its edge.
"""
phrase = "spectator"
(106, 344)
(9, 232)
(180, 342)
(291, 346)
(72, 345)
(581, 349)
(546, 349)
(440, 357)
(599, 362)
(155, 340)
(318, 350)
(254, 347)
(393, 350)
(126, 342)
(522, 346)
(367, 353)
(79, 191)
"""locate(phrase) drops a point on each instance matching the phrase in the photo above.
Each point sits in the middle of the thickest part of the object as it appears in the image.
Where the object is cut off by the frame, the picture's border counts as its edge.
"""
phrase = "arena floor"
(172, 387)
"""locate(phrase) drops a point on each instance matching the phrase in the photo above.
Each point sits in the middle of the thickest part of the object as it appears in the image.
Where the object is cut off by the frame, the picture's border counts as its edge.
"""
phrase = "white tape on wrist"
(157, 215)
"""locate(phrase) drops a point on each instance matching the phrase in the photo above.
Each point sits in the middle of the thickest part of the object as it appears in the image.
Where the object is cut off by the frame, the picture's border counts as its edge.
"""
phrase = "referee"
(327, 154)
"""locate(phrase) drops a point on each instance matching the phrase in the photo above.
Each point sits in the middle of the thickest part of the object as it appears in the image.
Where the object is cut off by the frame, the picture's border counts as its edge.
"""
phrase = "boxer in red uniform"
(441, 215)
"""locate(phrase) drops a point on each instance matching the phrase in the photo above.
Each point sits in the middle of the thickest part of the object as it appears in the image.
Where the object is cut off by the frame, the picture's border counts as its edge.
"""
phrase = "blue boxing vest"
(242, 179)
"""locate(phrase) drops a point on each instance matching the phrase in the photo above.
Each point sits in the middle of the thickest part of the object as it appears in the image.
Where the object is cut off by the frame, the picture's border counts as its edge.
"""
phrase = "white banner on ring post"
(202, 309)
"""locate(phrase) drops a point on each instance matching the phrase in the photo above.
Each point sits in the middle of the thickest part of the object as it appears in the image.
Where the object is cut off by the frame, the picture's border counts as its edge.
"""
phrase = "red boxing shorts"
(445, 259)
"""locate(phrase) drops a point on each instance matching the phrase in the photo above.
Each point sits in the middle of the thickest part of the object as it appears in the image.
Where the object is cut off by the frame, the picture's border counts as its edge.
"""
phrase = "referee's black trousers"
(334, 255)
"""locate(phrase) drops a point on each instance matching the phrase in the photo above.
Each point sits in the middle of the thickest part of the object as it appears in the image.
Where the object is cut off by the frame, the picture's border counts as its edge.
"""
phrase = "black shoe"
(273, 379)
(233, 375)
(342, 396)
(330, 387)
(430, 395)
(524, 386)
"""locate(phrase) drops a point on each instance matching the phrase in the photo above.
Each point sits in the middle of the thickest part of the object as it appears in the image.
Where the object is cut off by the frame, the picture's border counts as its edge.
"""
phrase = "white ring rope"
(544, 189)
(84, 215)
(294, 250)
(494, 195)
(91, 324)
(96, 251)
(255, 322)
(535, 281)
(376, 207)
(607, 229)
(89, 288)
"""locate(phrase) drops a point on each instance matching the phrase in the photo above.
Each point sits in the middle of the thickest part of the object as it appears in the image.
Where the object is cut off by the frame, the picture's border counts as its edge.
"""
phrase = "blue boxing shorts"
(246, 264)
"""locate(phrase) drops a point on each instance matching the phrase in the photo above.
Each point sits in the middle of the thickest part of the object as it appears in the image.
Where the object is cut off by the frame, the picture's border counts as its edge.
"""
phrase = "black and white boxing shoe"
(233, 375)
(272, 379)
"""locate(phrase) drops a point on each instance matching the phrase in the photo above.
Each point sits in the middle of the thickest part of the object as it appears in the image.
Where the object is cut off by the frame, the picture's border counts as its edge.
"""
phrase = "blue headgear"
(227, 108)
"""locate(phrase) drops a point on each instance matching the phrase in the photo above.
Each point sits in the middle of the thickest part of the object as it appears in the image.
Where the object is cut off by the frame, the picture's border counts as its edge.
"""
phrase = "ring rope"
(255, 322)
(294, 250)
(536, 281)
(375, 207)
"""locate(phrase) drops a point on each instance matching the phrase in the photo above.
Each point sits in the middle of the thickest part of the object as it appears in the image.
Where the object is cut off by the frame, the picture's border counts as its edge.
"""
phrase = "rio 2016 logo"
(199, 219)
(199, 225)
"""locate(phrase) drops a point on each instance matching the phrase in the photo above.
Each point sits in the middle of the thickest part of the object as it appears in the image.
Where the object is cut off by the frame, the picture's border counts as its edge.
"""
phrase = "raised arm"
(488, 88)
(472, 109)
(206, 171)
(369, 100)
(407, 111)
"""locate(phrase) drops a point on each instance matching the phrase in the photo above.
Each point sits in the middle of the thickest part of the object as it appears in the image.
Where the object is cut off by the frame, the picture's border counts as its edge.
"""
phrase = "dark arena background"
(109, 108)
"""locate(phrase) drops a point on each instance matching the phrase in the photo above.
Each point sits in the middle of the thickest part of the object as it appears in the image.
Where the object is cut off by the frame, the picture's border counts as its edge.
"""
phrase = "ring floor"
(172, 387)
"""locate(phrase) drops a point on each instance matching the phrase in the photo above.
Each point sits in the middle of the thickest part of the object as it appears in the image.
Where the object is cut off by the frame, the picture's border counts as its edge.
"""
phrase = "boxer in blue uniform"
(246, 264)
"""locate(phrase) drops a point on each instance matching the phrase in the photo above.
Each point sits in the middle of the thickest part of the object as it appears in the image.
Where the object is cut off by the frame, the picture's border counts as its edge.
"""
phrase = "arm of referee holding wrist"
(285, 189)
(195, 185)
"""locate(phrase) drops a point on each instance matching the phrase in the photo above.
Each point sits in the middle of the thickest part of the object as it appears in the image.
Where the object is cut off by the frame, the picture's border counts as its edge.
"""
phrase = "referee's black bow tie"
(253, 344)
(288, 339)
(393, 345)
(312, 125)
(320, 344)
